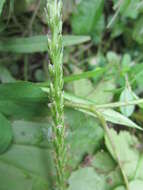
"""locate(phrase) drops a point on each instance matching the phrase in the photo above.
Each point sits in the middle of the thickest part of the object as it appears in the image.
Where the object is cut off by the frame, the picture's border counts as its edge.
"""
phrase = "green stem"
(119, 104)
(101, 118)
(107, 131)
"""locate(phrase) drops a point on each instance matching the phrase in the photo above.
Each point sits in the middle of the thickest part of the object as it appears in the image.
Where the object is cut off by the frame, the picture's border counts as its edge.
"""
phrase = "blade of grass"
(1, 5)
(83, 75)
(36, 43)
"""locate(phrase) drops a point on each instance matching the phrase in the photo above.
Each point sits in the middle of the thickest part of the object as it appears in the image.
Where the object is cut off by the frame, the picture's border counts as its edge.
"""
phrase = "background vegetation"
(103, 82)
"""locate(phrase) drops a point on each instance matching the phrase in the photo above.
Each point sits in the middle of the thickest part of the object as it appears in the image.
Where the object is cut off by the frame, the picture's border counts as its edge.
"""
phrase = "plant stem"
(109, 136)
(55, 51)
(119, 104)
(101, 118)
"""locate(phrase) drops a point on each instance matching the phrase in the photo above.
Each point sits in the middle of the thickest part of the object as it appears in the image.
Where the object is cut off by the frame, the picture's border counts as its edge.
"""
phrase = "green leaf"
(103, 162)
(137, 74)
(32, 133)
(117, 118)
(99, 94)
(82, 17)
(23, 109)
(113, 58)
(23, 165)
(97, 33)
(1, 6)
(136, 184)
(78, 86)
(133, 185)
(124, 146)
(84, 135)
(28, 163)
(109, 114)
(106, 167)
(23, 100)
(5, 134)
(126, 96)
(138, 31)
(36, 43)
(120, 188)
(22, 91)
(86, 179)
(83, 75)
(128, 8)
(70, 40)
(39, 183)
(90, 92)
(139, 169)
(79, 126)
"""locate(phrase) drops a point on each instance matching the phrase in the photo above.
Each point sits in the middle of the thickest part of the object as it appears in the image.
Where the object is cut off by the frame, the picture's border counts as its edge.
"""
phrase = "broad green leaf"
(106, 167)
(117, 118)
(103, 162)
(124, 146)
(29, 161)
(22, 91)
(84, 135)
(23, 100)
(100, 94)
(22, 109)
(5, 134)
(133, 185)
(23, 165)
(12, 178)
(82, 17)
(32, 133)
(39, 184)
(78, 86)
(138, 31)
(136, 184)
(86, 179)
(36, 43)
(126, 96)
(1, 5)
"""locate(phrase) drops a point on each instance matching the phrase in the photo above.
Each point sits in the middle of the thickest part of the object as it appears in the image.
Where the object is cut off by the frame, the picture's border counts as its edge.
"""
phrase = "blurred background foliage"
(105, 36)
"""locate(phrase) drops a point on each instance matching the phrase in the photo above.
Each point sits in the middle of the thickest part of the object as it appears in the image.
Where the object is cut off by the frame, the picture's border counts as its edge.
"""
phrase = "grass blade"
(36, 43)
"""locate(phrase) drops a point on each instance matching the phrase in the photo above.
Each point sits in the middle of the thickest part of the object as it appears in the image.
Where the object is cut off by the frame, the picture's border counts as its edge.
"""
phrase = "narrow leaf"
(83, 75)
(117, 118)
(36, 43)
(21, 91)
(1, 5)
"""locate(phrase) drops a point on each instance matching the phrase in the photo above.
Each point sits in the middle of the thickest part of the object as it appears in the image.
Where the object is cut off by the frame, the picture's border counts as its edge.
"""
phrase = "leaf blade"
(36, 43)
